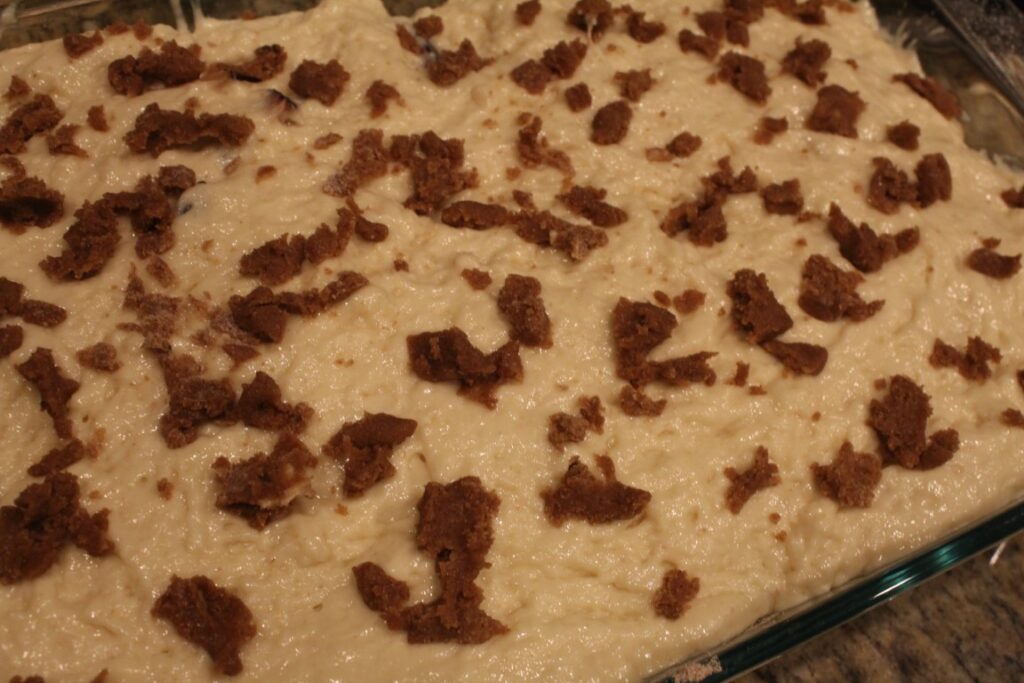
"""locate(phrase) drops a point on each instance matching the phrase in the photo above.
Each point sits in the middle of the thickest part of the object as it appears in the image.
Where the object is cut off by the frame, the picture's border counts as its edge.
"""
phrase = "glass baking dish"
(972, 47)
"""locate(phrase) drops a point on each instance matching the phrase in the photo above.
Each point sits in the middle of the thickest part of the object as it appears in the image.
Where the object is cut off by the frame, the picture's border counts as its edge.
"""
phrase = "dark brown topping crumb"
(581, 495)
(662, 298)
(475, 215)
(526, 12)
(934, 180)
(637, 329)
(11, 339)
(904, 135)
(701, 219)
(264, 488)
(945, 102)
(27, 201)
(260, 405)
(267, 61)
(55, 390)
(209, 616)
(1014, 198)
(407, 40)
(691, 42)
(593, 17)
(746, 75)
(141, 30)
(589, 203)
(810, 12)
(531, 76)
(742, 374)
(633, 84)
(836, 111)
(165, 488)
(762, 474)
(768, 128)
(326, 141)
(987, 262)
(546, 230)
(451, 66)
(380, 592)
(157, 130)
(101, 357)
(675, 594)
(379, 94)
(240, 353)
(972, 362)
(641, 30)
(578, 97)
(369, 160)
(689, 301)
(889, 187)
(449, 356)
(852, 478)
(78, 44)
(783, 198)
(364, 448)
(428, 27)
(276, 261)
(36, 116)
(173, 66)
(805, 61)
(477, 279)
(756, 312)
(900, 420)
(1020, 379)
(522, 307)
(161, 271)
(157, 315)
(683, 145)
(863, 247)
(564, 58)
(534, 151)
(1011, 417)
(611, 123)
(322, 82)
(638, 404)
(14, 303)
(44, 519)
(193, 402)
(17, 88)
(264, 172)
(829, 293)
(58, 459)
(564, 428)
(437, 167)
(801, 358)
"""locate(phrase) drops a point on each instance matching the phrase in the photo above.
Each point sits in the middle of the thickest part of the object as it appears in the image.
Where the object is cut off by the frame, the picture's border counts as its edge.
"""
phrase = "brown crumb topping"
(173, 66)
(265, 487)
(768, 128)
(702, 218)
(1011, 417)
(451, 66)
(157, 130)
(564, 58)
(801, 358)
(564, 428)
(59, 458)
(407, 40)
(972, 362)
(11, 339)
(836, 111)
(428, 27)
(364, 449)
(321, 82)
(165, 488)
(683, 145)
(161, 271)
(805, 61)
(851, 479)
(829, 293)
(783, 198)
(810, 12)
(522, 307)
(756, 312)
(101, 357)
(62, 142)
(900, 420)
(581, 495)
(380, 592)
(634, 84)
(546, 230)
(193, 402)
(260, 405)
(692, 42)
(992, 264)
(379, 95)
(637, 329)
(33, 312)
(534, 150)
(240, 353)
(762, 474)
(944, 101)
(593, 17)
(611, 123)
(1013, 198)
(739, 379)
(27, 201)
(863, 247)
(36, 116)
(275, 262)
(636, 403)
(640, 29)
(904, 135)
(44, 519)
(267, 61)
(578, 97)
(209, 616)
(449, 356)
(675, 594)
(369, 161)
(17, 88)
(326, 141)
(477, 279)
(437, 167)
(526, 12)
(934, 180)
(475, 215)
(746, 75)
(689, 301)
(589, 203)
(55, 390)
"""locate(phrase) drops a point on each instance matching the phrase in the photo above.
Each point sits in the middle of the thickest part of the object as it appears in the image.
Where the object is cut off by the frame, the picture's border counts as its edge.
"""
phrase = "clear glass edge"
(775, 633)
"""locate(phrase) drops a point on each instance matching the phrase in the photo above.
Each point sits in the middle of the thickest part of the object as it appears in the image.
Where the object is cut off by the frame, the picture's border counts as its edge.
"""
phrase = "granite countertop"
(965, 625)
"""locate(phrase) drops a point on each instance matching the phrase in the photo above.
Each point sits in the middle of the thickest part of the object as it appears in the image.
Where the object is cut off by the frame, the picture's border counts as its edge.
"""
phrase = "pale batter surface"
(576, 598)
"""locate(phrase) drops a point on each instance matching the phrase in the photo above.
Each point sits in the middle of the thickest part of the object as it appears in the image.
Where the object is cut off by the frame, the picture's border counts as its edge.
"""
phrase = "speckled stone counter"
(966, 625)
